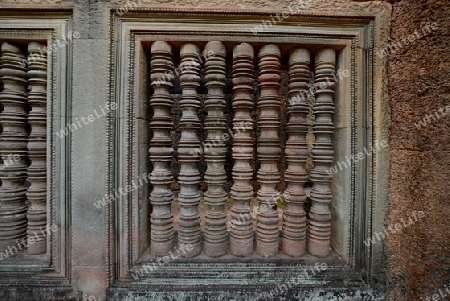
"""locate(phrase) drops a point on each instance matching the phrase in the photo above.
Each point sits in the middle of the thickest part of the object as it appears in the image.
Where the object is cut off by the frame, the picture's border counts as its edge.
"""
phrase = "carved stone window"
(23, 226)
(34, 93)
(237, 133)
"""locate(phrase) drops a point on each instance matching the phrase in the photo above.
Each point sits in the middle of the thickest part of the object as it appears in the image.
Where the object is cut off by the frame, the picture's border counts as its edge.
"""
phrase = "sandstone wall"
(418, 258)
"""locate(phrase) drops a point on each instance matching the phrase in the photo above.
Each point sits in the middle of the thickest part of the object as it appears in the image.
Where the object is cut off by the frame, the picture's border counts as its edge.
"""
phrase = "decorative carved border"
(52, 268)
(356, 33)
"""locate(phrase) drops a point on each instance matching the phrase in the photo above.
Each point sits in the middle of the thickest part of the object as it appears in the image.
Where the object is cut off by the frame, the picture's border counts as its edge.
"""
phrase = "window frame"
(362, 97)
(52, 268)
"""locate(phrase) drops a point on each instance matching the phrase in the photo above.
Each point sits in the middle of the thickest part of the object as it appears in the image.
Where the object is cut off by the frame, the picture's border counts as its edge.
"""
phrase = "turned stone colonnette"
(241, 225)
(161, 151)
(268, 151)
(189, 231)
(294, 216)
(37, 149)
(216, 238)
(319, 230)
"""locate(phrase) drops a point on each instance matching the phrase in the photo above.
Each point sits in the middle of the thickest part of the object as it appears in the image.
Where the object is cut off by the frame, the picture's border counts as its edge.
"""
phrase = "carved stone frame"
(360, 191)
(52, 268)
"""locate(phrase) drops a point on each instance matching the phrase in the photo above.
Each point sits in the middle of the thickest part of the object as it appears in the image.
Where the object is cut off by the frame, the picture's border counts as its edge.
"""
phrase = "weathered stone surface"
(418, 261)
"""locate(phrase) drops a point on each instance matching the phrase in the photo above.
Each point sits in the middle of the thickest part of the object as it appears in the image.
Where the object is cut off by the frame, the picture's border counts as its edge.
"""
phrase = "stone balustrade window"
(35, 95)
(232, 150)
(23, 149)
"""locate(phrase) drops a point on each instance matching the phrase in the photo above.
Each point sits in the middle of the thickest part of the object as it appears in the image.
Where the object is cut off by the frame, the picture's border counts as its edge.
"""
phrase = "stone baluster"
(13, 148)
(294, 216)
(319, 230)
(269, 151)
(241, 225)
(215, 150)
(37, 149)
(189, 176)
(161, 151)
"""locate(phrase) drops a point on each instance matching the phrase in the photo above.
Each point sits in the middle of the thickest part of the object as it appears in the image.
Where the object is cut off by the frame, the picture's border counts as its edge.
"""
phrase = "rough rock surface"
(418, 258)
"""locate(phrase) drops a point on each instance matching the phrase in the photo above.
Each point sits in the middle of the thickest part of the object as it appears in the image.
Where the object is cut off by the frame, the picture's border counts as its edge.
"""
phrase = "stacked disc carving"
(215, 150)
(241, 225)
(189, 176)
(13, 146)
(319, 230)
(269, 151)
(294, 216)
(37, 149)
(161, 151)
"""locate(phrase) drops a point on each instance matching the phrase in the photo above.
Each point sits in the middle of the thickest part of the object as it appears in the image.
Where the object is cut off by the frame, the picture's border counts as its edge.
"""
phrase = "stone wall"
(418, 257)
